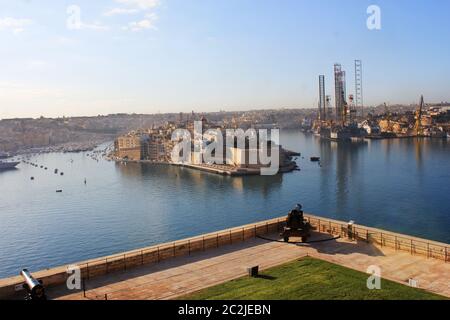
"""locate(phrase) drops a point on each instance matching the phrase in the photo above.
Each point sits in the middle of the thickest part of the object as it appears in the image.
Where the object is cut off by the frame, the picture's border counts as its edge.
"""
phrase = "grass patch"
(309, 279)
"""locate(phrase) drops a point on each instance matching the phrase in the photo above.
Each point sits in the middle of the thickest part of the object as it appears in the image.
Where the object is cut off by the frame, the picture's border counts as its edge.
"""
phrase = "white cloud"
(13, 24)
(141, 4)
(134, 7)
(93, 26)
(152, 16)
(120, 11)
(144, 24)
(74, 21)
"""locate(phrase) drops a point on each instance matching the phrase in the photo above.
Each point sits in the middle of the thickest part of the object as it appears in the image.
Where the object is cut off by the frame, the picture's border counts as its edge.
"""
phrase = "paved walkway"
(175, 277)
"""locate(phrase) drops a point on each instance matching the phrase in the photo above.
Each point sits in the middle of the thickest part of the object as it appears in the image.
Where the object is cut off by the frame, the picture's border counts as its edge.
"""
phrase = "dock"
(222, 169)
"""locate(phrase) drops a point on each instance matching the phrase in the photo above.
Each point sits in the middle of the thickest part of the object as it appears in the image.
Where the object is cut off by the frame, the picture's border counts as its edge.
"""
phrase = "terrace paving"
(179, 276)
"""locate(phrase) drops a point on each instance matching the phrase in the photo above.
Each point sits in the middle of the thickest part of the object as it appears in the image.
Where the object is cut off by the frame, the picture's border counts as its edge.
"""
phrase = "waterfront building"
(129, 147)
(245, 157)
(139, 145)
(370, 127)
(155, 148)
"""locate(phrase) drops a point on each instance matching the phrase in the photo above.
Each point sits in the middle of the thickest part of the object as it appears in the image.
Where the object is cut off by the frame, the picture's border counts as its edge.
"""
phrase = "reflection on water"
(400, 185)
(180, 176)
(346, 167)
(397, 184)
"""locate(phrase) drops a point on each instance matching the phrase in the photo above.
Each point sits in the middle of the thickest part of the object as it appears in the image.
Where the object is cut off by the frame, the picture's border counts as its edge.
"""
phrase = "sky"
(82, 57)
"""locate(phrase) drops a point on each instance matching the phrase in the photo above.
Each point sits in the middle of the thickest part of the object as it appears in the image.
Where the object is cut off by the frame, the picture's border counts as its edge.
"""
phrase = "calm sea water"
(398, 185)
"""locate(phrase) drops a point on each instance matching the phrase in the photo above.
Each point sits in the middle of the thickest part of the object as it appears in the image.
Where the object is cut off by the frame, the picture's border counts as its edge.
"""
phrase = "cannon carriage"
(296, 226)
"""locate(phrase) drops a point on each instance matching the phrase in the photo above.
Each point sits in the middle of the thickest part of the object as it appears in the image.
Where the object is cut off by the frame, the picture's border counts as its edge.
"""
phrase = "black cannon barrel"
(34, 288)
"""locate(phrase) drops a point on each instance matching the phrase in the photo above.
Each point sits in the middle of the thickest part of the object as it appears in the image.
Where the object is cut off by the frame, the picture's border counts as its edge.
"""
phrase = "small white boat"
(8, 165)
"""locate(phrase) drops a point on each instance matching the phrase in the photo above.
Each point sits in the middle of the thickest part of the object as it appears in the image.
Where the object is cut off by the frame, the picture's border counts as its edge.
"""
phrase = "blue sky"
(149, 56)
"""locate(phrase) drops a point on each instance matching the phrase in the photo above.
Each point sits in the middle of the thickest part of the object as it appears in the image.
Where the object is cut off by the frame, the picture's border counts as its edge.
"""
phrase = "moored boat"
(4, 155)
(8, 165)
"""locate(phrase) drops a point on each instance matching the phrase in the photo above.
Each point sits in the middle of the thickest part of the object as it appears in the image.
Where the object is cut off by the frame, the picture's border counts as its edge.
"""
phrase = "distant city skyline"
(84, 58)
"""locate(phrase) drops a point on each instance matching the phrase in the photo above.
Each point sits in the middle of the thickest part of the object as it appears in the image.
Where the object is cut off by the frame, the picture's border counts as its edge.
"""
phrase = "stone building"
(137, 146)
(129, 147)
(155, 148)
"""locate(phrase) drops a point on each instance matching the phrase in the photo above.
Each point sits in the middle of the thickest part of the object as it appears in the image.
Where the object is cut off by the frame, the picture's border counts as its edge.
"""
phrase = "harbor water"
(102, 207)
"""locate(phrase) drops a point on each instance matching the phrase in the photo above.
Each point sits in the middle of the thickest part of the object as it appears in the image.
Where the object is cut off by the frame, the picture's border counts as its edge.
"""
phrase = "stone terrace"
(186, 274)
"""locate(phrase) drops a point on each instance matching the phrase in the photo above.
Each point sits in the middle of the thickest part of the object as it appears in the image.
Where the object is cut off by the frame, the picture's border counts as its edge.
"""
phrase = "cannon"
(35, 289)
(296, 226)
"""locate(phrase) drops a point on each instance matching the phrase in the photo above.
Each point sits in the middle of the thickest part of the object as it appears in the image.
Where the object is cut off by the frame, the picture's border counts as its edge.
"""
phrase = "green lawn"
(309, 279)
